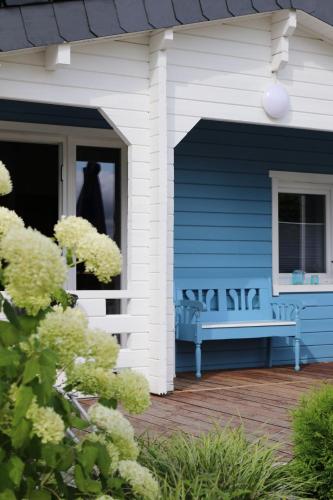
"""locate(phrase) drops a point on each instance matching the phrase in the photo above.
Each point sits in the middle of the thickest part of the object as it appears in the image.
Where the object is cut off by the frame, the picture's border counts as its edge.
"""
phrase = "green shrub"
(313, 442)
(43, 341)
(220, 465)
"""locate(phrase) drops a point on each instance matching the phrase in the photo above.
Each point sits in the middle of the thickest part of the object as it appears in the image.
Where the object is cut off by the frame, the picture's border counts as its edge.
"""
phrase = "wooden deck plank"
(259, 399)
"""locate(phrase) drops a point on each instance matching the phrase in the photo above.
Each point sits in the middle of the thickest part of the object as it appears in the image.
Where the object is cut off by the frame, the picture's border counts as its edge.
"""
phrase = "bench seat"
(219, 309)
(248, 324)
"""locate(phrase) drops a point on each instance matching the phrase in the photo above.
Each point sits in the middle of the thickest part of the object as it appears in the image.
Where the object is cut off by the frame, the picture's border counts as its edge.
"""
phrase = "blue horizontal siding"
(223, 226)
(51, 114)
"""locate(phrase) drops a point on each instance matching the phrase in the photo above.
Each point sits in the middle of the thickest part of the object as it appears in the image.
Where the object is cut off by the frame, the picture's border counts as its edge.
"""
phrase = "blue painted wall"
(223, 224)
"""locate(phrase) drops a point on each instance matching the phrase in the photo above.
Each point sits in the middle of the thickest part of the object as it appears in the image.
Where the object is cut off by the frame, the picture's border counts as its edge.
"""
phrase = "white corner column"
(160, 251)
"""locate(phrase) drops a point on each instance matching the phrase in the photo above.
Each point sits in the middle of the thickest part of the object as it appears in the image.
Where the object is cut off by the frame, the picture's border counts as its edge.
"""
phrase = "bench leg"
(297, 355)
(198, 359)
(269, 352)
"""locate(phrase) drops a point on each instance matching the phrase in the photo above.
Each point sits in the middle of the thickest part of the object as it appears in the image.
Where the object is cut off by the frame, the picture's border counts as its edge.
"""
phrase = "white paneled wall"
(112, 76)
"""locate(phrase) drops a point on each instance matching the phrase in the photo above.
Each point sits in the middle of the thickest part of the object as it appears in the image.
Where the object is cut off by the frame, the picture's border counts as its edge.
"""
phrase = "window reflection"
(98, 200)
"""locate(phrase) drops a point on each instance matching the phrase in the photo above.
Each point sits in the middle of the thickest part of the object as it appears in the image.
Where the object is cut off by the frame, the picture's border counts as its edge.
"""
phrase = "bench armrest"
(187, 310)
(286, 311)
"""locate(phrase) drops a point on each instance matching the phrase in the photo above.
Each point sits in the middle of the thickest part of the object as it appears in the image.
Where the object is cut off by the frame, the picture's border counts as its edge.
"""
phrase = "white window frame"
(296, 182)
(67, 138)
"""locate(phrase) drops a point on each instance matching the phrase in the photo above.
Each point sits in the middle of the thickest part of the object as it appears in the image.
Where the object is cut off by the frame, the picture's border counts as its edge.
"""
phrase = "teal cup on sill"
(298, 277)
(314, 279)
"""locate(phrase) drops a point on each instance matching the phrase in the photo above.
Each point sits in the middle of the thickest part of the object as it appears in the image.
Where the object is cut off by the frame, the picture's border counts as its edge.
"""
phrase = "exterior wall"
(112, 76)
(219, 72)
(223, 225)
(153, 94)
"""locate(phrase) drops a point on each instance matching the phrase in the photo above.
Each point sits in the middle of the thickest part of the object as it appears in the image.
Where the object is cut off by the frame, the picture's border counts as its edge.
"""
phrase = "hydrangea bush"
(41, 338)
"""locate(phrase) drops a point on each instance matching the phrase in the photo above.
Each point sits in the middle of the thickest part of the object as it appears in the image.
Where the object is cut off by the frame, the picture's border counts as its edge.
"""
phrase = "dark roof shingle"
(27, 23)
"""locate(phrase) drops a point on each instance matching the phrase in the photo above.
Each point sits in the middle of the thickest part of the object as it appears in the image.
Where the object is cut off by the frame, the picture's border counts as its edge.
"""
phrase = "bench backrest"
(228, 299)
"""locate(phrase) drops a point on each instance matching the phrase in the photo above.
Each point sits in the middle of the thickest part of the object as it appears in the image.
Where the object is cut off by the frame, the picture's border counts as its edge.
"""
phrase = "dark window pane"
(302, 233)
(35, 174)
(98, 200)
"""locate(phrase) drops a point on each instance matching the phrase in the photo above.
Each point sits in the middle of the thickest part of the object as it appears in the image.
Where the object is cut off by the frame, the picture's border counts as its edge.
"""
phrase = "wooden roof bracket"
(284, 24)
(57, 56)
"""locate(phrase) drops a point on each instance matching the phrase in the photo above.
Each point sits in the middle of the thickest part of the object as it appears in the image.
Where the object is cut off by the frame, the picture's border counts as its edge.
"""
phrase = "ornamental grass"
(220, 465)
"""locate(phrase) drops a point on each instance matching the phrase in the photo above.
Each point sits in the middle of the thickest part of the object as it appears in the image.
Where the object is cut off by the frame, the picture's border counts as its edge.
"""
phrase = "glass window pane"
(34, 169)
(302, 233)
(98, 200)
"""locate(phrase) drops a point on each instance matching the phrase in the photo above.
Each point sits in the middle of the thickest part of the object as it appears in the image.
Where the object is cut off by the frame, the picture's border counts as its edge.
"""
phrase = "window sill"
(324, 287)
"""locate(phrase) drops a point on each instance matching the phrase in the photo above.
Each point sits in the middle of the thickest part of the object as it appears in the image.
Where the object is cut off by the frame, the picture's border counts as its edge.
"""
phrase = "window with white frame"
(55, 175)
(301, 226)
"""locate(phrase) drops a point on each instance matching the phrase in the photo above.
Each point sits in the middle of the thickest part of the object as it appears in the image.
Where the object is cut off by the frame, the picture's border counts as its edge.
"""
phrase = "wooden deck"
(259, 398)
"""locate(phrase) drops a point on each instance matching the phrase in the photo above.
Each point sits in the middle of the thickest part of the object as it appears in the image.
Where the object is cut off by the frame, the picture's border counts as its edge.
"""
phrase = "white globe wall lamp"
(276, 102)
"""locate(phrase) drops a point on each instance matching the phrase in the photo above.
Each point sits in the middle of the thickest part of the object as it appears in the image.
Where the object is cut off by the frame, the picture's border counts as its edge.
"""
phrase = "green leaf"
(40, 495)
(11, 315)
(59, 457)
(47, 372)
(21, 433)
(15, 468)
(85, 485)
(60, 296)
(103, 460)
(2, 454)
(29, 323)
(79, 423)
(109, 403)
(31, 370)
(9, 335)
(24, 397)
(88, 456)
(8, 357)
(2, 299)
(7, 495)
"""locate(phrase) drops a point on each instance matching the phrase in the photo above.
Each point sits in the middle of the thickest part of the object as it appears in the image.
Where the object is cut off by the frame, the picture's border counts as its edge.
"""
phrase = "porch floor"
(259, 398)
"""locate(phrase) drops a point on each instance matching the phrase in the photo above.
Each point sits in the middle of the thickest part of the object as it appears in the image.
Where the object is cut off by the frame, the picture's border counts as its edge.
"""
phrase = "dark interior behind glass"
(302, 232)
(34, 169)
(98, 200)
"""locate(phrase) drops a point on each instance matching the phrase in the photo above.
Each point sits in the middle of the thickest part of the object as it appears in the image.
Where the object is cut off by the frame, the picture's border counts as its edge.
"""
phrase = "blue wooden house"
(212, 125)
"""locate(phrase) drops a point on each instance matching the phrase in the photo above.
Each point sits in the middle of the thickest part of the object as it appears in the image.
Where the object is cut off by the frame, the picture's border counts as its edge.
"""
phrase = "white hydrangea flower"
(91, 379)
(35, 270)
(46, 423)
(132, 389)
(128, 449)
(140, 479)
(9, 220)
(65, 333)
(5, 180)
(69, 230)
(102, 348)
(100, 255)
(112, 422)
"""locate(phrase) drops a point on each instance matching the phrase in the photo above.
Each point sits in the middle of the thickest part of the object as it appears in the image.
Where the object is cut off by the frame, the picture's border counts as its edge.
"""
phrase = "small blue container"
(315, 279)
(298, 277)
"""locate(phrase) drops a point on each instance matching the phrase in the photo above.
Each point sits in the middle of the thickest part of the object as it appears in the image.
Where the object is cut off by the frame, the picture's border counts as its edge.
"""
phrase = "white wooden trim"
(301, 177)
(57, 56)
(306, 288)
(283, 26)
(247, 324)
(104, 294)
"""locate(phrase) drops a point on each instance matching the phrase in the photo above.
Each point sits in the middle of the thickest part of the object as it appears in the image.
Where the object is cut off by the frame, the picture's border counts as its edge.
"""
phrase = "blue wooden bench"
(220, 309)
